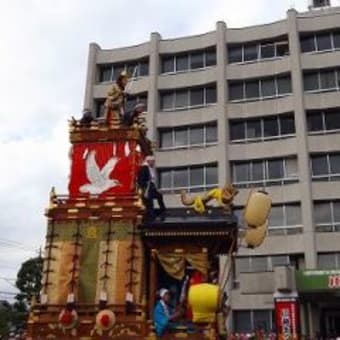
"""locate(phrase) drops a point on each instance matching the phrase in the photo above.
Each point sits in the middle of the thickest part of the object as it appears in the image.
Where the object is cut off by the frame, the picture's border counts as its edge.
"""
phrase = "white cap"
(163, 291)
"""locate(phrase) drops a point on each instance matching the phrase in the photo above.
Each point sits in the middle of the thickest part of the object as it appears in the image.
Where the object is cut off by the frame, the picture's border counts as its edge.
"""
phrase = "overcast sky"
(43, 55)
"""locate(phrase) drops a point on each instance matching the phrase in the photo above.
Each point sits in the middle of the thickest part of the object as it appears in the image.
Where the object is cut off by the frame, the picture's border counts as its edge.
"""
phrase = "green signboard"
(317, 280)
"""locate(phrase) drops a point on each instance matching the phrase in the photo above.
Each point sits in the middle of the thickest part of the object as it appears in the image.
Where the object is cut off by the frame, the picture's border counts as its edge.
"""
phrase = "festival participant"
(116, 97)
(163, 314)
(146, 182)
(131, 115)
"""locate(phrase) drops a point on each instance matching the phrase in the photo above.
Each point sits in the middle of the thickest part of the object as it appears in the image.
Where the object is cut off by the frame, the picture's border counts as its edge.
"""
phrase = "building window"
(327, 216)
(322, 80)
(168, 64)
(242, 321)
(196, 60)
(135, 69)
(254, 173)
(253, 52)
(129, 105)
(192, 179)
(235, 54)
(184, 62)
(323, 41)
(325, 167)
(99, 107)
(133, 100)
(329, 260)
(259, 264)
(248, 321)
(258, 89)
(188, 136)
(261, 129)
(285, 219)
(188, 98)
(323, 121)
(105, 73)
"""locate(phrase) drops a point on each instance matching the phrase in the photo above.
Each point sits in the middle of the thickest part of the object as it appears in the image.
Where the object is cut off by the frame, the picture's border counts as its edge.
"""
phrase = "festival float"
(105, 263)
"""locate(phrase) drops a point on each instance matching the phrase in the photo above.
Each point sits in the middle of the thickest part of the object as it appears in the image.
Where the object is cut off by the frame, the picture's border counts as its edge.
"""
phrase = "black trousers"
(152, 194)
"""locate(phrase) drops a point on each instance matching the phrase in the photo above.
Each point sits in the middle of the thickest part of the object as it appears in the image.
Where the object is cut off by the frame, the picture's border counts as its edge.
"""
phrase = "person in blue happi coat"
(164, 315)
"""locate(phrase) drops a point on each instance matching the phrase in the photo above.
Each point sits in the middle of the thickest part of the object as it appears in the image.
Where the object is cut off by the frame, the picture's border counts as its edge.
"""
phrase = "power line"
(7, 293)
(16, 243)
(9, 281)
(15, 246)
(5, 266)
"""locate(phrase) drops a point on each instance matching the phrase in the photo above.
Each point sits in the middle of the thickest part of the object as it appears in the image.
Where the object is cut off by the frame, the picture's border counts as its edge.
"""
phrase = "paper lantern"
(257, 208)
(203, 299)
(255, 236)
(68, 319)
(105, 319)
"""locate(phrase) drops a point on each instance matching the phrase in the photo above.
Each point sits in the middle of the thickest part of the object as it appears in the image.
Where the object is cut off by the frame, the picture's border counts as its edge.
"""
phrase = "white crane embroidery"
(99, 179)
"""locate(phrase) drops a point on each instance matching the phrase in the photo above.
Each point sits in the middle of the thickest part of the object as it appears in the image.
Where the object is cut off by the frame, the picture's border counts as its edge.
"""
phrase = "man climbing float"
(146, 182)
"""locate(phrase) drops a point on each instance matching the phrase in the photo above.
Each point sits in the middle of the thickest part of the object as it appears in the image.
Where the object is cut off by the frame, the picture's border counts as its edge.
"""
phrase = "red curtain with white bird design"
(104, 168)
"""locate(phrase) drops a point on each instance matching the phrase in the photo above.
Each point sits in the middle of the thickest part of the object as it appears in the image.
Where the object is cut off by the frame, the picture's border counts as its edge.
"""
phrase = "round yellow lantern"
(255, 236)
(203, 299)
(257, 208)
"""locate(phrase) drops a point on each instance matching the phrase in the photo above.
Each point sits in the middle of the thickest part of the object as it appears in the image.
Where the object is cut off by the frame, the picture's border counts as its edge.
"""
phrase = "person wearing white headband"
(146, 182)
(163, 314)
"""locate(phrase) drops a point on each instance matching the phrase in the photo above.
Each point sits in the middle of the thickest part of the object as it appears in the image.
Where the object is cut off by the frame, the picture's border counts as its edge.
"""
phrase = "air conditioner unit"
(284, 278)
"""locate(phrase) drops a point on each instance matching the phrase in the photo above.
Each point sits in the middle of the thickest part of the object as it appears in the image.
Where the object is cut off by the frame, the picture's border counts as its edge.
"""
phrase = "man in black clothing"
(146, 182)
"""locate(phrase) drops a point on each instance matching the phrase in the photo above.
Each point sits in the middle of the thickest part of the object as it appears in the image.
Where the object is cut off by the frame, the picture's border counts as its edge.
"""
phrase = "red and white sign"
(287, 318)
(103, 168)
(334, 281)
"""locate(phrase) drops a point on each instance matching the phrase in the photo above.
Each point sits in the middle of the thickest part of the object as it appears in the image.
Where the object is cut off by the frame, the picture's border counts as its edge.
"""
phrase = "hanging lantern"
(255, 236)
(105, 320)
(257, 209)
(68, 319)
(203, 299)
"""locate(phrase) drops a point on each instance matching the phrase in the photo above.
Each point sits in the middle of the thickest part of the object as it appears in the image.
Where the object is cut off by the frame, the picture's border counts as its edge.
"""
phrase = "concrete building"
(260, 107)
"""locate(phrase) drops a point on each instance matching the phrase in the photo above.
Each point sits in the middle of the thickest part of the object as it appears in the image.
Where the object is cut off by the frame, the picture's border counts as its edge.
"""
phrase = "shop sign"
(317, 280)
(287, 318)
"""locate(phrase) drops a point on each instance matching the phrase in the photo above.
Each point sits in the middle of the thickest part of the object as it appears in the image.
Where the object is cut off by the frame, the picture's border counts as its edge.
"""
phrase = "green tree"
(29, 284)
(5, 318)
(29, 280)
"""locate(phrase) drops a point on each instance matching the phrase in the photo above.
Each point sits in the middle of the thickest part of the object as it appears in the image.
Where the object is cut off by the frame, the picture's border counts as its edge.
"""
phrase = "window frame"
(259, 46)
(205, 143)
(188, 89)
(262, 138)
(266, 180)
(336, 258)
(204, 52)
(316, 49)
(285, 228)
(318, 73)
(202, 187)
(243, 83)
(252, 325)
(329, 176)
(124, 66)
(330, 226)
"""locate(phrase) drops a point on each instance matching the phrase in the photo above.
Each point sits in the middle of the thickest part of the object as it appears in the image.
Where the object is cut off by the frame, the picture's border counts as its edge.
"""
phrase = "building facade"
(259, 107)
